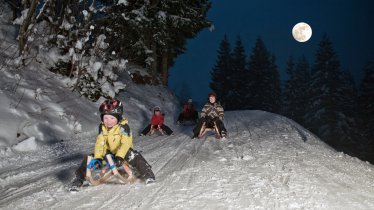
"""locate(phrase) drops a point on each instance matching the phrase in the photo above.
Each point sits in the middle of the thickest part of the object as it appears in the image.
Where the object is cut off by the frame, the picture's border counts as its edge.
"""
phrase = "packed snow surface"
(268, 162)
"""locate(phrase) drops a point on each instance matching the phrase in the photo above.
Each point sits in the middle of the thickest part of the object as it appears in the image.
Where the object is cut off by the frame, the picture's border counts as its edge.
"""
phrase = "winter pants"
(192, 117)
(209, 122)
(133, 158)
(165, 128)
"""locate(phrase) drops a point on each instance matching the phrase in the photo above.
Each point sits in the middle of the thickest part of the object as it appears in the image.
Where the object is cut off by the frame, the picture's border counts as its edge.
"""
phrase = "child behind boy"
(157, 123)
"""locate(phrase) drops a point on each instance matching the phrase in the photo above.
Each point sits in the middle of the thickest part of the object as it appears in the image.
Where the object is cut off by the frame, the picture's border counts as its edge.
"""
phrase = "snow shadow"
(65, 175)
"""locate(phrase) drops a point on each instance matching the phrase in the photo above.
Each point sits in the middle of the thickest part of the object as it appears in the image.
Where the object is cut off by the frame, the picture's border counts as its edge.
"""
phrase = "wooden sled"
(152, 131)
(204, 130)
(110, 171)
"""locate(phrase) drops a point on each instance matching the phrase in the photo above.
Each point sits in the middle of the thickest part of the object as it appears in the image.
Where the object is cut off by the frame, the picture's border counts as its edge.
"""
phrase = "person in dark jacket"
(211, 114)
(157, 123)
(188, 113)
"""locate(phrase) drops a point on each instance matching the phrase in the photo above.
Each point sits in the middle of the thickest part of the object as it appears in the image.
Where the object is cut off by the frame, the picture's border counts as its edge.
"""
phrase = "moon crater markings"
(302, 32)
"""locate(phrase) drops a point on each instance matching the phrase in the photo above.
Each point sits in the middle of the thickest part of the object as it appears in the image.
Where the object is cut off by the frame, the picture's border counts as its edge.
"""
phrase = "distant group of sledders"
(114, 154)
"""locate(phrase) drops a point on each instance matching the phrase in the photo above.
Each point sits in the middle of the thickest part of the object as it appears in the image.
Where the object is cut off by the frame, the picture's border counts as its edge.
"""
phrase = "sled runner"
(205, 129)
(110, 171)
(158, 130)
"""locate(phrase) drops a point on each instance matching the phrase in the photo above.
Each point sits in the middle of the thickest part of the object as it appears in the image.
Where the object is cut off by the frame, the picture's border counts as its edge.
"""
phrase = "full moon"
(302, 32)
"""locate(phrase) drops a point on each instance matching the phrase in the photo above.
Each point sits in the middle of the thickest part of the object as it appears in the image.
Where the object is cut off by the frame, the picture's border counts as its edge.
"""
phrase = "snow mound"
(26, 145)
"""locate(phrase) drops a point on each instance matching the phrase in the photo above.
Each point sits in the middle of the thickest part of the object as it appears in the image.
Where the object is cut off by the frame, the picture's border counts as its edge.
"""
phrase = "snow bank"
(26, 145)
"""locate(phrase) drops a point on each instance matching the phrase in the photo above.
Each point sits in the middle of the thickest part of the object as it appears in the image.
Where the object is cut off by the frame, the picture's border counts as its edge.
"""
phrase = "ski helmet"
(111, 107)
(156, 108)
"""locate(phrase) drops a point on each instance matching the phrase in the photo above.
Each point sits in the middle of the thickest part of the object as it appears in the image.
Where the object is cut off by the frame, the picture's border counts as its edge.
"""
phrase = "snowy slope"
(265, 164)
(268, 162)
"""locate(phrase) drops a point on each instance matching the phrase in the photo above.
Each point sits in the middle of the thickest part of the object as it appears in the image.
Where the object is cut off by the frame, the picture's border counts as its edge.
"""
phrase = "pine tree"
(263, 88)
(328, 116)
(296, 97)
(221, 71)
(366, 109)
(274, 100)
(235, 98)
(288, 92)
(153, 33)
(83, 58)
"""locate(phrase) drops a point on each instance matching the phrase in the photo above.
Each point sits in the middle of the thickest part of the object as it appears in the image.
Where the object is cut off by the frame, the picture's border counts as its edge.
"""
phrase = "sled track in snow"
(184, 154)
(33, 178)
(161, 172)
(197, 150)
(177, 158)
(35, 185)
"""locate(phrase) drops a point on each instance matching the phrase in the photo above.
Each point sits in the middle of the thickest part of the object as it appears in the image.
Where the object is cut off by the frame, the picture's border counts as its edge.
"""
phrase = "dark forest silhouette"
(321, 97)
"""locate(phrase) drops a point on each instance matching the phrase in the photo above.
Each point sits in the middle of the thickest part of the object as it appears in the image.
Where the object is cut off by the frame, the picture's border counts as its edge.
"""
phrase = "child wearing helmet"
(114, 138)
(157, 123)
(189, 113)
(211, 114)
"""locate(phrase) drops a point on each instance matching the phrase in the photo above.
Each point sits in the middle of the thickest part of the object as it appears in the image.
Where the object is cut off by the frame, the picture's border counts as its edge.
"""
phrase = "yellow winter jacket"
(117, 140)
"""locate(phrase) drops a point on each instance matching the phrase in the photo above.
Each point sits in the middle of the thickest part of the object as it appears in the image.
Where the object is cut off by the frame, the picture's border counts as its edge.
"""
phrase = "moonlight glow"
(302, 32)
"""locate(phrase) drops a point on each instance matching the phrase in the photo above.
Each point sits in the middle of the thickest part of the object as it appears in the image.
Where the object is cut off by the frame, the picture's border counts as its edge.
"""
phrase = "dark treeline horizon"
(320, 96)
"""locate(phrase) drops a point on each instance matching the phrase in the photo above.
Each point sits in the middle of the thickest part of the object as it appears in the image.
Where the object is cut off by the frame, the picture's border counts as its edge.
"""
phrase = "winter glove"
(95, 163)
(118, 161)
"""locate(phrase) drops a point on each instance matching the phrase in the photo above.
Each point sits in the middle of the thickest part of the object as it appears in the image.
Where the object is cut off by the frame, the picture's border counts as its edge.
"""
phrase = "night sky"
(348, 24)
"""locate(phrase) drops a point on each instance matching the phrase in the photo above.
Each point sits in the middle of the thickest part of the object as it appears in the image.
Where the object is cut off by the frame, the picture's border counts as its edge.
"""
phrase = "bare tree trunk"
(154, 62)
(165, 68)
(24, 28)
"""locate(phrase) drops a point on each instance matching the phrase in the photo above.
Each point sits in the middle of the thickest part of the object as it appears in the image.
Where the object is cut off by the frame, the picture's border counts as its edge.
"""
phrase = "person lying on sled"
(114, 138)
(157, 124)
(211, 114)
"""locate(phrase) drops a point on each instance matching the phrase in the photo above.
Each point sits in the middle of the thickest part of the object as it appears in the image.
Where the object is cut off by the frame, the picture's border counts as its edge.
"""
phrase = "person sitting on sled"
(157, 124)
(114, 138)
(212, 114)
(189, 113)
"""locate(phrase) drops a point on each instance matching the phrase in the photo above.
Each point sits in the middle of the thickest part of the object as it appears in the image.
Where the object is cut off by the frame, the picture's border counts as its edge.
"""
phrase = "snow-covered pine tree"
(153, 33)
(90, 71)
(295, 96)
(236, 95)
(328, 116)
(184, 19)
(366, 109)
(263, 81)
(351, 139)
(220, 81)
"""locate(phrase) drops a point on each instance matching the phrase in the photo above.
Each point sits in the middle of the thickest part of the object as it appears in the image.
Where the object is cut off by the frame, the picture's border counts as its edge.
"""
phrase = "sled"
(110, 171)
(204, 130)
(187, 123)
(158, 130)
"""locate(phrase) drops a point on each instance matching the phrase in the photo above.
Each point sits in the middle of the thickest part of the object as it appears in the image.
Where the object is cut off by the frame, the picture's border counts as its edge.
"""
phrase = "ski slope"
(268, 162)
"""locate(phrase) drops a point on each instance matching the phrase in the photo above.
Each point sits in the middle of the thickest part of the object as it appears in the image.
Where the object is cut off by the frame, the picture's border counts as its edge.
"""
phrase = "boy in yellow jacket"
(114, 138)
